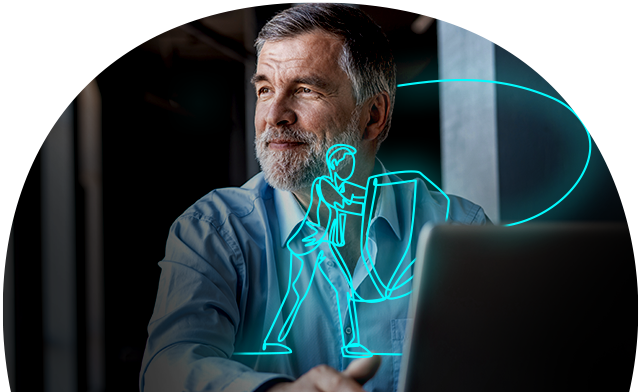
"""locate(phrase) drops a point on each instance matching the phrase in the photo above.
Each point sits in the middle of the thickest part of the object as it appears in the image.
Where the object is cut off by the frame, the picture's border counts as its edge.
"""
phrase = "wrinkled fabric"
(226, 270)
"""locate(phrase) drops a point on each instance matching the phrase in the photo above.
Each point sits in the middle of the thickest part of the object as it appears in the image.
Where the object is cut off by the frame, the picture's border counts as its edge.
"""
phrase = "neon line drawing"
(347, 203)
(333, 236)
(536, 92)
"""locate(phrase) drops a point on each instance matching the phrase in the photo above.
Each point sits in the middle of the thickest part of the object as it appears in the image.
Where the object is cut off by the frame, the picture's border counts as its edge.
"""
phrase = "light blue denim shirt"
(226, 270)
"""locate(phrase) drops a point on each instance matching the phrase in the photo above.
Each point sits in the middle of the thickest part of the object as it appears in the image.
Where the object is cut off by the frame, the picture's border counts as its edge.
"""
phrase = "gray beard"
(294, 170)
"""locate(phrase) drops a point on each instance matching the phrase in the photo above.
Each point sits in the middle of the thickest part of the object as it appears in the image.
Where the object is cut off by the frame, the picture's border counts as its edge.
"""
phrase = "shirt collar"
(387, 208)
(290, 213)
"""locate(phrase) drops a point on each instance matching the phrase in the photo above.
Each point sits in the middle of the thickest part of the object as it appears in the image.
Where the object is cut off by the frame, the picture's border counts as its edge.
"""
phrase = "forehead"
(314, 52)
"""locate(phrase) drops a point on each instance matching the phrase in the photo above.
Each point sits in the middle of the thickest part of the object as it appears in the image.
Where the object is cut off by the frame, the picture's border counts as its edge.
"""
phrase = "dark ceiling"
(214, 31)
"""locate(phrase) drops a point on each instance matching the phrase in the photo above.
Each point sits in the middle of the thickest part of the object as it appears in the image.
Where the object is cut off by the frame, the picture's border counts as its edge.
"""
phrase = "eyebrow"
(258, 78)
(311, 80)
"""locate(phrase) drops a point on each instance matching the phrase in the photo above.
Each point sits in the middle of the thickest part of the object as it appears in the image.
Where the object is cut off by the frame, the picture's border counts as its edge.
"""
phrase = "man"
(325, 76)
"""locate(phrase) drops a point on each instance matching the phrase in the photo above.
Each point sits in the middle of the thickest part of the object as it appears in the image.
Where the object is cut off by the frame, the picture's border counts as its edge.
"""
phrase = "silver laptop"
(535, 307)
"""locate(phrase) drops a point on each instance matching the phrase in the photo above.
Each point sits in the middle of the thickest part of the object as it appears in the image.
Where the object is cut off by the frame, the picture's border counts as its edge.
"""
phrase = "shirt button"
(348, 330)
(330, 263)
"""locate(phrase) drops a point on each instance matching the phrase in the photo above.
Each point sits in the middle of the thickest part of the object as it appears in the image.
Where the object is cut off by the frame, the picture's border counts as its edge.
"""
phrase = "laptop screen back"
(525, 308)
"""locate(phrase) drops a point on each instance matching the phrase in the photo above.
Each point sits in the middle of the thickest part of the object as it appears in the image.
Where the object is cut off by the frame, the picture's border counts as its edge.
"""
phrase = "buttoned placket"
(334, 272)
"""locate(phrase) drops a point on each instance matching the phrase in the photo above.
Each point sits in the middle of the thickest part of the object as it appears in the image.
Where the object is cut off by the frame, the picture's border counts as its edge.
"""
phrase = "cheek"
(315, 119)
(259, 119)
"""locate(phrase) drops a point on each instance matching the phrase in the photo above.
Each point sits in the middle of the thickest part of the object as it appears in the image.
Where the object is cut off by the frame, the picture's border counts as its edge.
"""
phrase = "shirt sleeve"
(196, 316)
(464, 212)
(480, 218)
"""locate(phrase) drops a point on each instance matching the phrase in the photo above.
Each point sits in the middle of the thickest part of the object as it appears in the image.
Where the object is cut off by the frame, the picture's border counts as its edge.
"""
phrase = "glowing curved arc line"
(343, 265)
(399, 296)
(413, 216)
(398, 284)
(363, 246)
(533, 91)
(366, 220)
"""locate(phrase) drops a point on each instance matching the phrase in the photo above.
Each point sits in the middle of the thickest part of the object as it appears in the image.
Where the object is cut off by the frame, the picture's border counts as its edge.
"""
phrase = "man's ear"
(378, 115)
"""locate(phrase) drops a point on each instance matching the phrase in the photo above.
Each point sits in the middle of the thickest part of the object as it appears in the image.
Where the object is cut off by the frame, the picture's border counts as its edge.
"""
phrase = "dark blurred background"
(173, 119)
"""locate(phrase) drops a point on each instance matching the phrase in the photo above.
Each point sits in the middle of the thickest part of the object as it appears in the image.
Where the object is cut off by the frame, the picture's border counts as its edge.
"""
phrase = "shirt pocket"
(398, 330)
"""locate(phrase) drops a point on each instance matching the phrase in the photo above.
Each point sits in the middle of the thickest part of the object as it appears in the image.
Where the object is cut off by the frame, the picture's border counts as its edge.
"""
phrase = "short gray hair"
(366, 53)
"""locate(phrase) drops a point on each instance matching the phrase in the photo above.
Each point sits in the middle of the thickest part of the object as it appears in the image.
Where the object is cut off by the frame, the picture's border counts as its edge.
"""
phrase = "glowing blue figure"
(350, 204)
(336, 195)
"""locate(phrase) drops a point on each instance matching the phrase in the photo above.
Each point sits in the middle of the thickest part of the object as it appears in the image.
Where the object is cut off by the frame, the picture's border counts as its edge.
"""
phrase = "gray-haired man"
(325, 76)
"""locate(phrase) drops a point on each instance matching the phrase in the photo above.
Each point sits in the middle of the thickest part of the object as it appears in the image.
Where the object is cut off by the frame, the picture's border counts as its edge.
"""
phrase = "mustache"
(290, 134)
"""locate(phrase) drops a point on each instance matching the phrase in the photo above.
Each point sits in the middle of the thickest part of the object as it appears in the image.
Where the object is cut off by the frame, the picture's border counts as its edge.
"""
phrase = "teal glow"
(533, 91)
(333, 236)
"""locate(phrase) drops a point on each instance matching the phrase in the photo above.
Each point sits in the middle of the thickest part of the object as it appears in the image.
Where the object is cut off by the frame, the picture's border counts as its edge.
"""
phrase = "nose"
(280, 112)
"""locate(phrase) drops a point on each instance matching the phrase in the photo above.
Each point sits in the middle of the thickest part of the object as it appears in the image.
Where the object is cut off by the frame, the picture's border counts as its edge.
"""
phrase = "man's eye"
(306, 90)
(263, 90)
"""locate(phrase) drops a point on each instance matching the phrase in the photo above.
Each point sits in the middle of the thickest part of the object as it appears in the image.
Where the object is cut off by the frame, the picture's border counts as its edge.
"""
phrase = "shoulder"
(462, 210)
(219, 205)
(219, 224)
